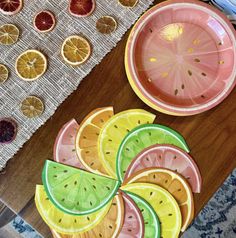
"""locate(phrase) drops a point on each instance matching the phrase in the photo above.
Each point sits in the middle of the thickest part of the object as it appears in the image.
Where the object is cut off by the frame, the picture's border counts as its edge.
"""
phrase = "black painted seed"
(63, 199)
(149, 133)
(127, 130)
(146, 222)
(66, 186)
(179, 189)
(203, 74)
(139, 122)
(59, 221)
(94, 186)
(88, 218)
(151, 193)
(150, 30)
(75, 221)
(65, 171)
(161, 202)
(108, 153)
(115, 126)
(55, 176)
(124, 171)
(84, 137)
(47, 199)
(176, 91)
(54, 167)
(110, 227)
(108, 188)
(100, 234)
(170, 215)
(75, 182)
(90, 203)
(102, 120)
(114, 204)
(94, 179)
(87, 152)
(129, 230)
(92, 164)
(110, 140)
(77, 203)
(182, 86)
(175, 157)
(85, 189)
(166, 181)
(147, 158)
(154, 176)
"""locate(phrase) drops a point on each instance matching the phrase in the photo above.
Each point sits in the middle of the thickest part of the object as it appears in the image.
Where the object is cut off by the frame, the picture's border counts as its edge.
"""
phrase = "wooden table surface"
(211, 136)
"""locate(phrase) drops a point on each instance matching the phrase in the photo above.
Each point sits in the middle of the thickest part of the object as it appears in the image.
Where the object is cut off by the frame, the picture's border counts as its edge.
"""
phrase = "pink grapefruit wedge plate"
(81, 8)
(181, 57)
(133, 220)
(169, 157)
(10, 7)
(64, 148)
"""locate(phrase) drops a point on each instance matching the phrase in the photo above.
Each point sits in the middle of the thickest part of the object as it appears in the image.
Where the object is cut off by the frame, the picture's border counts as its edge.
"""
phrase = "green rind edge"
(158, 225)
(175, 133)
(64, 210)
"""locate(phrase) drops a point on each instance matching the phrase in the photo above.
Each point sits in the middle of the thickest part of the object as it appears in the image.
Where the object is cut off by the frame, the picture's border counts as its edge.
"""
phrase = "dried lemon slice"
(75, 50)
(32, 107)
(31, 65)
(9, 34)
(4, 73)
(128, 3)
(106, 25)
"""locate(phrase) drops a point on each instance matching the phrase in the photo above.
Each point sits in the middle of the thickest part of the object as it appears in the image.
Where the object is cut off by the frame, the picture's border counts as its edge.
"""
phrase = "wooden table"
(210, 135)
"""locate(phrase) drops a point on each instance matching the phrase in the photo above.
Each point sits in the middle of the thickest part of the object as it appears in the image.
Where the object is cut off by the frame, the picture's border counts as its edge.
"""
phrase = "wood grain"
(210, 135)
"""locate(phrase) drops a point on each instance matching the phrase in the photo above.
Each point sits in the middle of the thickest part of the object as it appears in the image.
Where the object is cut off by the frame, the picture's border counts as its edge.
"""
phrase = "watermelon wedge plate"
(151, 220)
(133, 226)
(64, 223)
(76, 191)
(140, 138)
(64, 147)
(169, 157)
(114, 131)
(110, 225)
(164, 205)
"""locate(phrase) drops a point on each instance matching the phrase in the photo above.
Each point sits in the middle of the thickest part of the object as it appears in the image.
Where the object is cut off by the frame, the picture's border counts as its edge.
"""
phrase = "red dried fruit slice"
(10, 7)
(44, 21)
(8, 130)
(64, 148)
(133, 221)
(81, 8)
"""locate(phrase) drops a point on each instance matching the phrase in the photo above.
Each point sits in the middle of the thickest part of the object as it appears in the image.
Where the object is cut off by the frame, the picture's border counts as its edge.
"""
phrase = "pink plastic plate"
(181, 57)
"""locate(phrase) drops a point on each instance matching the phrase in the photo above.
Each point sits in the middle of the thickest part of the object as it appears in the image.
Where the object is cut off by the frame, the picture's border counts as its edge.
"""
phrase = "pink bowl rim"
(217, 14)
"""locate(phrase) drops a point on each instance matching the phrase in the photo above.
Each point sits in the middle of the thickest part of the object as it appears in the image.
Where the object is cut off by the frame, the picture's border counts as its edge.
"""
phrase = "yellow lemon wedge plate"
(114, 132)
(177, 186)
(62, 222)
(163, 203)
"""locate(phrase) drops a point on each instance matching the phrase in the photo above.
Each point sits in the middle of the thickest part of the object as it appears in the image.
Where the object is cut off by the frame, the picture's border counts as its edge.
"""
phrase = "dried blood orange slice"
(4, 73)
(8, 130)
(106, 25)
(128, 3)
(44, 21)
(9, 34)
(32, 107)
(10, 7)
(81, 8)
(75, 50)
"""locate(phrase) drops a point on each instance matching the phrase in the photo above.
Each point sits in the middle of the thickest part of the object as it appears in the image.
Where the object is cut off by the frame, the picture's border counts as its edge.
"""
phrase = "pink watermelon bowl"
(181, 57)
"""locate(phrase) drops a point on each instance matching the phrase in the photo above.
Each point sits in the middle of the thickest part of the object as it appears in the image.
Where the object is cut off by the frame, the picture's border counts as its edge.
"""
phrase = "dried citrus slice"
(164, 205)
(106, 25)
(110, 225)
(32, 107)
(87, 139)
(44, 21)
(4, 73)
(114, 132)
(10, 7)
(9, 34)
(81, 8)
(64, 223)
(128, 3)
(8, 130)
(31, 65)
(75, 50)
(172, 182)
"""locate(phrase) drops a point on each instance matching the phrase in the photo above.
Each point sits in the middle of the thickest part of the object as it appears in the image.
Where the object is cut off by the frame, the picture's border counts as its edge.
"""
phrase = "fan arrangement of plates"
(180, 57)
(118, 175)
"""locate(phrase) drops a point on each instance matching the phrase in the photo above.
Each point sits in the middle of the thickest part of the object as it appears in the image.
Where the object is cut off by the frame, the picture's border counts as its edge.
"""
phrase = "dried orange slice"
(75, 50)
(128, 3)
(106, 25)
(31, 65)
(87, 139)
(32, 107)
(44, 21)
(175, 184)
(10, 7)
(4, 73)
(9, 34)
